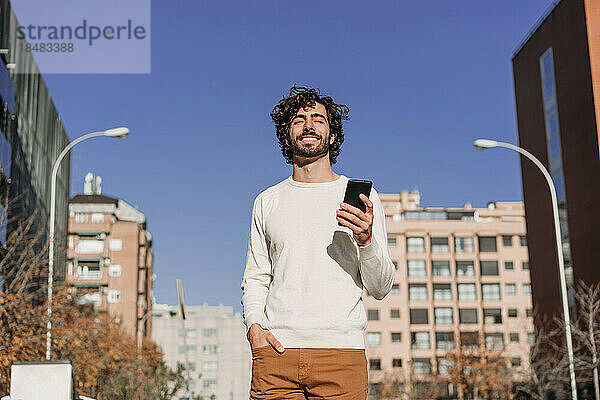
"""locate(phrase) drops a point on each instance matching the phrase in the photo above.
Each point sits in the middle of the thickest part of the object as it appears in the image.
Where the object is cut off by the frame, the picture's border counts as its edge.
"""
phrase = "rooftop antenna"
(98, 186)
(88, 184)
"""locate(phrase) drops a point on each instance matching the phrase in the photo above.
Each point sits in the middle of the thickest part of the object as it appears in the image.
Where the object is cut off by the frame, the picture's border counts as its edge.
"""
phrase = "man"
(305, 273)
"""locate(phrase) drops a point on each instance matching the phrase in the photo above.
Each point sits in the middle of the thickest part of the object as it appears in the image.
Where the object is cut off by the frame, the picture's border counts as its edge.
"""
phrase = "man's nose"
(308, 124)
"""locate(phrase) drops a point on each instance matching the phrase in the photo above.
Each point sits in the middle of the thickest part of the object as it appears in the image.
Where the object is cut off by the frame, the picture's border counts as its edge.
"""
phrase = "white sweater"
(305, 274)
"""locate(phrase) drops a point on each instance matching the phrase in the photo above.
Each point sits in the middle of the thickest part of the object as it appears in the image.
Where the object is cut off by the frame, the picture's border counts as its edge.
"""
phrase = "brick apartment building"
(110, 256)
(557, 94)
(460, 272)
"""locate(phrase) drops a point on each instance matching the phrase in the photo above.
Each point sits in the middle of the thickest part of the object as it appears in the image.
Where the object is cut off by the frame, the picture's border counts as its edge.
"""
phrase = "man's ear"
(332, 139)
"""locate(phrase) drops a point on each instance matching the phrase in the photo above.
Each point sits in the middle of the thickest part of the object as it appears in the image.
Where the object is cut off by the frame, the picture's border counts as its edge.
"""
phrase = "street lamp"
(483, 144)
(120, 133)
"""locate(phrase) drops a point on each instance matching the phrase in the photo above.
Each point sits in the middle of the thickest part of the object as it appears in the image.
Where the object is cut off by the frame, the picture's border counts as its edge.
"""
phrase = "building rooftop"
(92, 199)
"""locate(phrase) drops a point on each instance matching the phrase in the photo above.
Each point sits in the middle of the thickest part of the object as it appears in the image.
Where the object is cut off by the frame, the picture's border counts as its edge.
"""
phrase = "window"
(507, 241)
(444, 340)
(487, 244)
(373, 338)
(442, 291)
(523, 240)
(395, 289)
(529, 312)
(531, 337)
(494, 341)
(465, 268)
(114, 296)
(419, 316)
(492, 316)
(396, 337)
(396, 363)
(512, 313)
(417, 291)
(490, 291)
(373, 315)
(89, 270)
(525, 265)
(421, 366)
(114, 270)
(515, 361)
(209, 384)
(445, 366)
(209, 349)
(467, 315)
(192, 366)
(439, 245)
(81, 218)
(510, 288)
(209, 366)
(89, 246)
(374, 390)
(514, 337)
(395, 313)
(190, 332)
(395, 265)
(508, 265)
(440, 268)
(416, 268)
(190, 349)
(94, 298)
(463, 244)
(526, 288)
(97, 218)
(489, 268)
(419, 340)
(116, 244)
(375, 364)
(209, 332)
(415, 245)
(466, 291)
(391, 242)
(469, 340)
(443, 315)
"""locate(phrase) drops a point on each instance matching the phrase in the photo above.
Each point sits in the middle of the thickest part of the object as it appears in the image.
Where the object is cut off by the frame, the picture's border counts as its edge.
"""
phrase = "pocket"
(260, 349)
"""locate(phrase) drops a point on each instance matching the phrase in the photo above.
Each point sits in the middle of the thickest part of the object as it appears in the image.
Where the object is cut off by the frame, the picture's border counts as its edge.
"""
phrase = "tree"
(473, 370)
(585, 333)
(105, 360)
(547, 375)
(477, 369)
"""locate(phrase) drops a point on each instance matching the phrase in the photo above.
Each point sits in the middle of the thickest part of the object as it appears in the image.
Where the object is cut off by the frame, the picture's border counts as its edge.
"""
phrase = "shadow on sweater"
(343, 251)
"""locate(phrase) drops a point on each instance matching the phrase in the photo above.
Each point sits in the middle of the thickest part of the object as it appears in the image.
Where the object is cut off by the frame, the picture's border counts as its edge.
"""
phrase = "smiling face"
(309, 132)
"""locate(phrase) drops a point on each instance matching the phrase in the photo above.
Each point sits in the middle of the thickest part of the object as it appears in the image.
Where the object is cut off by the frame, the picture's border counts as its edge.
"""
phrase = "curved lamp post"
(483, 144)
(120, 133)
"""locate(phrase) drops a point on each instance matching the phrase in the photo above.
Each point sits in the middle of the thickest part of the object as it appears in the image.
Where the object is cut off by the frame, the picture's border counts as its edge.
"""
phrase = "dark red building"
(557, 88)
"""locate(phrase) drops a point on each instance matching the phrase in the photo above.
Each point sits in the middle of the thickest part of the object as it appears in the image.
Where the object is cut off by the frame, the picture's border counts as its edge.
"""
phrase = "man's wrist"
(366, 244)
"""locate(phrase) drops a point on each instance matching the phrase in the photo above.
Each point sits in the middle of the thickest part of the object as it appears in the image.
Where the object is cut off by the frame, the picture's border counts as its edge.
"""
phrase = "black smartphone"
(354, 188)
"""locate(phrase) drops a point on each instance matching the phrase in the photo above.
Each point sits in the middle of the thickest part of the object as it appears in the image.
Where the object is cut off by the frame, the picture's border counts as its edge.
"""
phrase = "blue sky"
(422, 80)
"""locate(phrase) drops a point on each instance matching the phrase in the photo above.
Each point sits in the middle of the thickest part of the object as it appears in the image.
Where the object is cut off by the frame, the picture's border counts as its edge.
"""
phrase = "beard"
(310, 150)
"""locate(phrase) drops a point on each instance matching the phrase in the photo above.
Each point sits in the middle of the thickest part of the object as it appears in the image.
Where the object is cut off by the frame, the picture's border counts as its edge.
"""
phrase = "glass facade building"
(32, 137)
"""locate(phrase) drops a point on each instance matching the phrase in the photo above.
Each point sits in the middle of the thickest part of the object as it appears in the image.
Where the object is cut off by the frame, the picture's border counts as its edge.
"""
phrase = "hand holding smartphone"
(354, 188)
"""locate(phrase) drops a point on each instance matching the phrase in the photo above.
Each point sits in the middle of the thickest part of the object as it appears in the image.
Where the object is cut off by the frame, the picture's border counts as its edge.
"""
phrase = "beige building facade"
(460, 273)
(217, 349)
(110, 257)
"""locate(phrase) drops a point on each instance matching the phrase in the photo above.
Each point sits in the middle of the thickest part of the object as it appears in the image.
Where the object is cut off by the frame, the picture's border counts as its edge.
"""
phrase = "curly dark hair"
(300, 97)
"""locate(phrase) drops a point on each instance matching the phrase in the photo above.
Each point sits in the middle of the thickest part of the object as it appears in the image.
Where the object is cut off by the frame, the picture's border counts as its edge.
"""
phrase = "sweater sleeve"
(257, 275)
(376, 268)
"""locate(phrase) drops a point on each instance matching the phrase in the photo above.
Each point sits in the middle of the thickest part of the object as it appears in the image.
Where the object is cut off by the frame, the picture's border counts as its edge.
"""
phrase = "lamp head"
(120, 132)
(483, 144)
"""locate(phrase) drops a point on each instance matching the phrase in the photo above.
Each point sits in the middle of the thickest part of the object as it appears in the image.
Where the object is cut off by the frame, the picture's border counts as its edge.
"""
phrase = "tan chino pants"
(309, 373)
